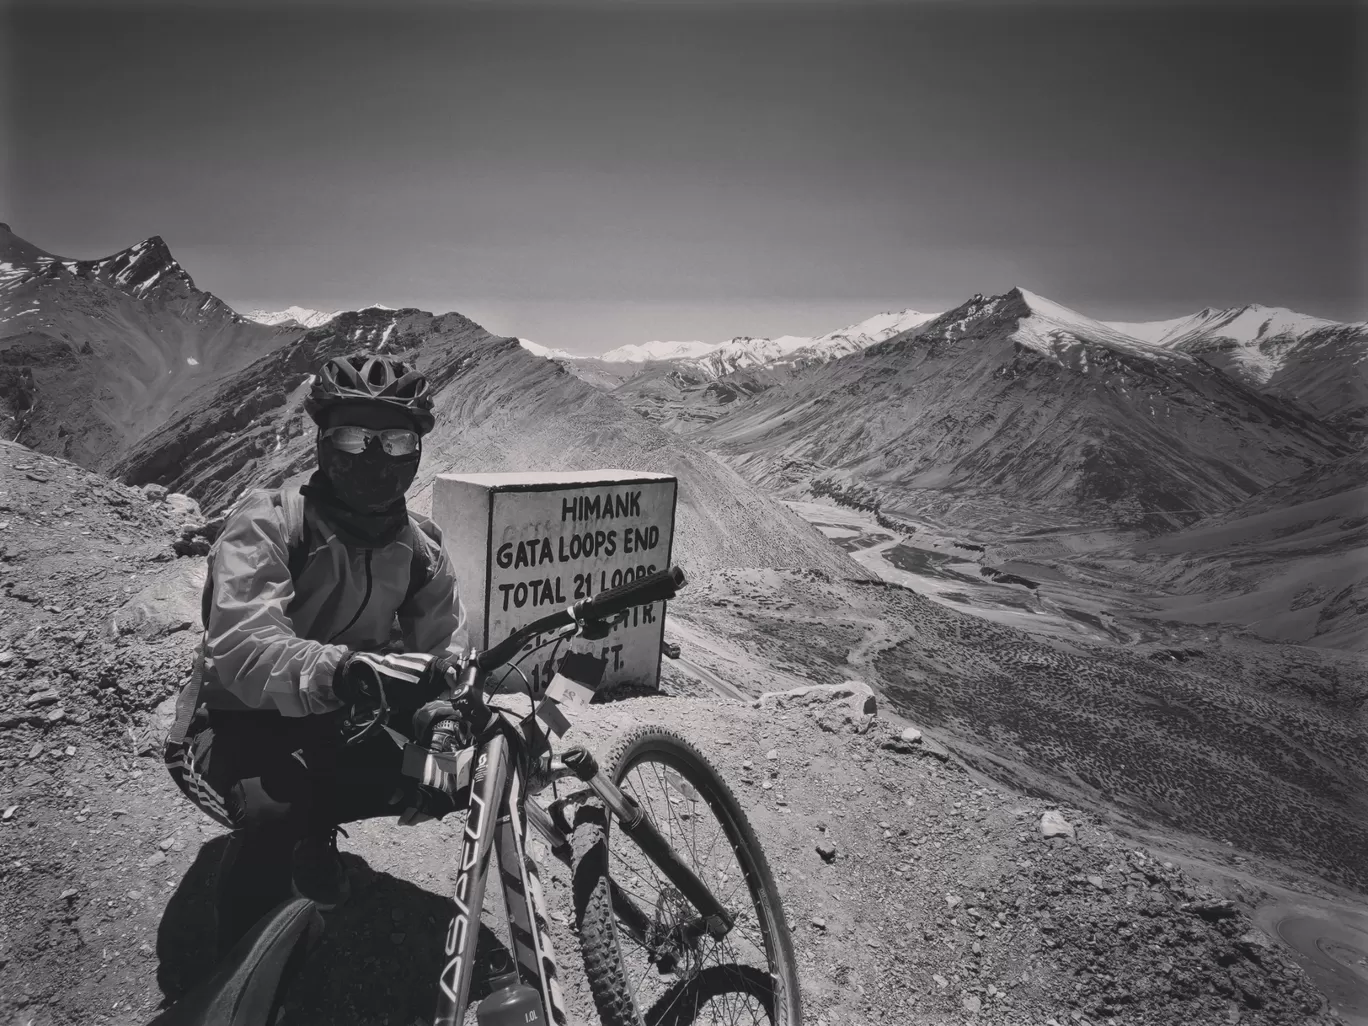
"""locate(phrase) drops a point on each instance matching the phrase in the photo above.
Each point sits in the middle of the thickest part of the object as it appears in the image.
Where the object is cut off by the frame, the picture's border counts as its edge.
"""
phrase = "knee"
(261, 817)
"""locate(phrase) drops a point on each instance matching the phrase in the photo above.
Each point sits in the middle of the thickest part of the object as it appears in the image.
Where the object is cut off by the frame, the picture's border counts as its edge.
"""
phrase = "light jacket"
(274, 644)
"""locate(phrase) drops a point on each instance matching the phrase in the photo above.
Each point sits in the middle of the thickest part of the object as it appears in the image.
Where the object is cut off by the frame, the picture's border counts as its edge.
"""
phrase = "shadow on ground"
(377, 962)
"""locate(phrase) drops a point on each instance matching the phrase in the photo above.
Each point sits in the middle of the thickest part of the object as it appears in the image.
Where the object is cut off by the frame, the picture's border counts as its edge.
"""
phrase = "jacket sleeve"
(250, 642)
(434, 619)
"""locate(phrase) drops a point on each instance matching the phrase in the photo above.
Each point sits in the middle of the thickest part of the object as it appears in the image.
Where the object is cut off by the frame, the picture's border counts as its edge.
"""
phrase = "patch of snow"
(1258, 363)
(1053, 329)
(657, 350)
(540, 350)
(1241, 324)
(749, 351)
(1152, 332)
(1254, 323)
(877, 328)
(144, 286)
(299, 314)
(386, 336)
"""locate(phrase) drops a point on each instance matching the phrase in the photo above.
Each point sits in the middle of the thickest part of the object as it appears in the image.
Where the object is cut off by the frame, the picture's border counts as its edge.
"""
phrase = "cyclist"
(288, 647)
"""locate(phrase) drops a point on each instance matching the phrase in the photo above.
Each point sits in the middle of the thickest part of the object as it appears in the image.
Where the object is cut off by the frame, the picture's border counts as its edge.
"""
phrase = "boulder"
(909, 742)
(155, 492)
(170, 604)
(184, 508)
(165, 714)
(848, 705)
(1053, 824)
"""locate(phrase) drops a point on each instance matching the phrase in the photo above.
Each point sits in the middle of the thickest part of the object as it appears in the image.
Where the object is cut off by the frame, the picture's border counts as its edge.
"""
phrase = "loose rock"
(851, 704)
(1053, 824)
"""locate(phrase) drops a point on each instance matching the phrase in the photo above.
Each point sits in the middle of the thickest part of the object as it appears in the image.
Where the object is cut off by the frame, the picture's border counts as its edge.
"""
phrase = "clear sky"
(588, 175)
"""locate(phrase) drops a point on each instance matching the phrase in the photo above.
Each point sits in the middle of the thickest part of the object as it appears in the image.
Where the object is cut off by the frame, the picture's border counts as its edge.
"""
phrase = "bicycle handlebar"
(656, 587)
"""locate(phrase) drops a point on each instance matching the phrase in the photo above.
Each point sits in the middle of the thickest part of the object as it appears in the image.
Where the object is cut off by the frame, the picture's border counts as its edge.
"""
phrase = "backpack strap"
(291, 504)
(296, 555)
(421, 568)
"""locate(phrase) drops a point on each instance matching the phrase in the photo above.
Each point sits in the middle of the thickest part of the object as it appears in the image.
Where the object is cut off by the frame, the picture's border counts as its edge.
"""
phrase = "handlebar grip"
(654, 587)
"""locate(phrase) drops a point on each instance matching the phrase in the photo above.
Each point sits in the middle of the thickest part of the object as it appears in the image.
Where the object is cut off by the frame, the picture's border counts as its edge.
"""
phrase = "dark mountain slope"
(1318, 364)
(96, 353)
(499, 408)
(1017, 399)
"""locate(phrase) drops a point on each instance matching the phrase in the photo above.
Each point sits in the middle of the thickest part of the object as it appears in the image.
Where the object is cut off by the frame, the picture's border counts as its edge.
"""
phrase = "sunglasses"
(395, 441)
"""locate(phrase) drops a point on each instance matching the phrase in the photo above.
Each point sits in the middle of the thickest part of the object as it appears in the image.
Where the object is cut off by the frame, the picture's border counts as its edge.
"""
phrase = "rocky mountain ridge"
(1017, 398)
(96, 353)
(498, 408)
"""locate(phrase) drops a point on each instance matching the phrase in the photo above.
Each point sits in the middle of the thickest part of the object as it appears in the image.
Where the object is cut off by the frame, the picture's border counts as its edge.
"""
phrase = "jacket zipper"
(365, 600)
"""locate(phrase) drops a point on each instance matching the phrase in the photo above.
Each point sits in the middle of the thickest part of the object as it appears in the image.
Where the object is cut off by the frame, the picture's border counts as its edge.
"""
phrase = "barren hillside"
(941, 899)
(96, 353)
(498, 408)
(1017, 400)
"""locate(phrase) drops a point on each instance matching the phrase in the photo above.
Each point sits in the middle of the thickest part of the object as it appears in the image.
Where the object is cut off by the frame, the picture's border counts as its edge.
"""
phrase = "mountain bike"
(678, 915)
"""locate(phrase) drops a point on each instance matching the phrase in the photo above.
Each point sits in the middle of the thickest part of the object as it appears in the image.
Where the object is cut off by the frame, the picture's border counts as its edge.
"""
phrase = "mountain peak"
(133, 271)
(658, 350)
(138, 268)
(540, 350)
(298, 314)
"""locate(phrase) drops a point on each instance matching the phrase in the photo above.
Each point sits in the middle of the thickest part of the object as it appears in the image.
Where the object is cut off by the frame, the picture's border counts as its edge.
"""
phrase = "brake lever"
(379, 720)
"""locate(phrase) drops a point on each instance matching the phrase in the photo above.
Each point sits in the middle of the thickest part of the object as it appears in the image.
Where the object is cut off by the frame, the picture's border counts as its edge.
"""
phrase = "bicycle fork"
(642, 829)
(492, 821)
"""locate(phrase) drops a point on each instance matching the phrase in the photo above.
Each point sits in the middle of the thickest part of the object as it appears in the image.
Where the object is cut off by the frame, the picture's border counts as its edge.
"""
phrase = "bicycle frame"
(492, 823)
(499, 812)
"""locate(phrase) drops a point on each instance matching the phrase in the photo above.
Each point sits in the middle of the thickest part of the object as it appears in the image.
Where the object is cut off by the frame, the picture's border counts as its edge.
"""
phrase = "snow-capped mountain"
(865, 333)
(97, 352)
(797, 350)
(536, 349)
(656, 350)
(1319, 364)
(298, 314)
(1059, 332)
(1017, 399)
(745, 351)
(1241, 324)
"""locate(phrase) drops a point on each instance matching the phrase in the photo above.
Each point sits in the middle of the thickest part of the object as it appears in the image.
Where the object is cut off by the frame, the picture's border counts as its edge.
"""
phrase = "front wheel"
(647, 961)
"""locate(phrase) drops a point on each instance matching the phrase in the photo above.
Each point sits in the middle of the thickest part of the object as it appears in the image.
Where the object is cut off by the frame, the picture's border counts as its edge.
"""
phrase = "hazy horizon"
(594, 175)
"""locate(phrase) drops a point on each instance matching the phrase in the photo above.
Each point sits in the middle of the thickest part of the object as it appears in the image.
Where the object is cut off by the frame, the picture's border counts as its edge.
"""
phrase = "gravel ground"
(917, 890)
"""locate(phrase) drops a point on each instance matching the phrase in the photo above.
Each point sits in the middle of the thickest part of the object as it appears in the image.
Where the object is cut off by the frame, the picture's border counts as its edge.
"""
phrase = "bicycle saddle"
(242, 990)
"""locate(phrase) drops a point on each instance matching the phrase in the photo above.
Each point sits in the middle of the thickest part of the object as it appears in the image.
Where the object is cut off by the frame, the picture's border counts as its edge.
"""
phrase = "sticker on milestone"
(571, 694)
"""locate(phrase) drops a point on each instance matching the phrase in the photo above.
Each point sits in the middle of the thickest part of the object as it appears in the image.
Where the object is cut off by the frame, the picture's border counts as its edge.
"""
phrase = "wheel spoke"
(711, 982)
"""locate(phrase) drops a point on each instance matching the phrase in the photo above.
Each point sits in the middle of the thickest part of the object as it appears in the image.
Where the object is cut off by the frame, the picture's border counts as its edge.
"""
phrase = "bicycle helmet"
(364, 377)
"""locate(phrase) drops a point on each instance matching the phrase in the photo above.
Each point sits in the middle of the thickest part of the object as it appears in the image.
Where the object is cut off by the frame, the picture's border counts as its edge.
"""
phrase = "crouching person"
(310, 593)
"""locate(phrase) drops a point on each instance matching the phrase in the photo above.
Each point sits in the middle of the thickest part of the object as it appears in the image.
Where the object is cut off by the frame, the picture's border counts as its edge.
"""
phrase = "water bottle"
(511, 1004)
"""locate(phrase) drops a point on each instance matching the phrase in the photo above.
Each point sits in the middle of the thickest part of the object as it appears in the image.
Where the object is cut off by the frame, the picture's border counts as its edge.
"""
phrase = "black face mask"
(370, 481)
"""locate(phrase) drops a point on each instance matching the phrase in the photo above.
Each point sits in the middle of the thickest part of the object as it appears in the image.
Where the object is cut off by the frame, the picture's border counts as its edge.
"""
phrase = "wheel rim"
(706, 981)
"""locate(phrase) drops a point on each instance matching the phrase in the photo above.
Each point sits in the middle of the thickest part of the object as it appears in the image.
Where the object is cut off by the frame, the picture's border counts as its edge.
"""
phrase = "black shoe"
(319, 874)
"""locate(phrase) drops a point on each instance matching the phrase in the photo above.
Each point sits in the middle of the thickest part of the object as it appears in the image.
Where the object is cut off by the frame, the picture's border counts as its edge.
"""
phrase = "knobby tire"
(776, 987)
